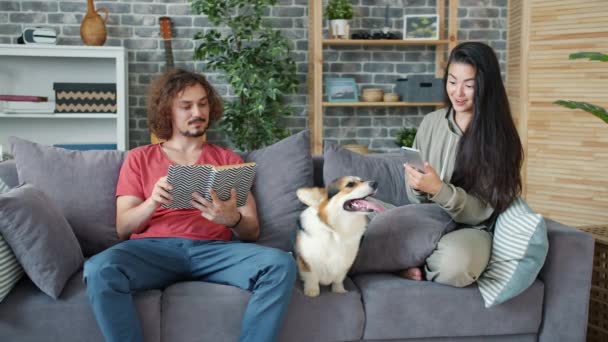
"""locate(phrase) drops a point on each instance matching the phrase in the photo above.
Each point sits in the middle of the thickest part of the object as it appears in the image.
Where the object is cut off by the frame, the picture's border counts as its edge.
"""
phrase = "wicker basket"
(597, 327)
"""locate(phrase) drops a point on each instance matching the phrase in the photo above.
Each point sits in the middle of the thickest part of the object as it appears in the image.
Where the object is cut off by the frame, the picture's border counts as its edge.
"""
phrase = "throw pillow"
(519, 249)
(81, 183)
(10, 270)
(402, 237)
(386, 169)
(41, 238)
(282, 168)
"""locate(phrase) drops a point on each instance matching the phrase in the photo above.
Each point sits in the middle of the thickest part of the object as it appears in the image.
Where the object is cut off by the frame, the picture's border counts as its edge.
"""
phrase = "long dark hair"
(163, 91)
(489, 155)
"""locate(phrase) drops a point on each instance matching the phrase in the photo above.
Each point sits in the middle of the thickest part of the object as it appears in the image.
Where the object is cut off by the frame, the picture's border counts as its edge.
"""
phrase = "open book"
(187, 179)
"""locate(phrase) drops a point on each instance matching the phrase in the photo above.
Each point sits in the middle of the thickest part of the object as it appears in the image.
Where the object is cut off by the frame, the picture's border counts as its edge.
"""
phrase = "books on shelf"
(20, 98)
(187, 179)
(23, 107)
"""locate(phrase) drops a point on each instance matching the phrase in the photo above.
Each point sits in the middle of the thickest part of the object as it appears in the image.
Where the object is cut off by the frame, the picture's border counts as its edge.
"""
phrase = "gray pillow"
(402, 237)
(282, 169)
(81, 183)
(386, 169)
(40, 237)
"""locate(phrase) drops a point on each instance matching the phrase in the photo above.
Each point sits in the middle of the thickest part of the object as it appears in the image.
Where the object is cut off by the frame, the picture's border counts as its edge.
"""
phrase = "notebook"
(187, 179)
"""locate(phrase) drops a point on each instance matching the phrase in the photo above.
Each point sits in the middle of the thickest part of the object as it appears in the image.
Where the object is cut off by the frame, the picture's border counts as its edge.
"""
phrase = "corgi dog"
(330, 231)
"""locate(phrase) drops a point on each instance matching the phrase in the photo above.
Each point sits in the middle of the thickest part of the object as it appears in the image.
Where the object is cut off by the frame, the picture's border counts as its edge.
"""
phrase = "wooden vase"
(93, 27)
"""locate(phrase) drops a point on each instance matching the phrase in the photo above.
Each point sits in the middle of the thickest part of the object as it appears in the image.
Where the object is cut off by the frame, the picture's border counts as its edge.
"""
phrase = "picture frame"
(342, 89)
(420, 26)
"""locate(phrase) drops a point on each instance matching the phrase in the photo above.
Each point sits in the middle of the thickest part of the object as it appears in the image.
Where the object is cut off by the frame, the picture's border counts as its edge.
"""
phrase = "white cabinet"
(32, 70)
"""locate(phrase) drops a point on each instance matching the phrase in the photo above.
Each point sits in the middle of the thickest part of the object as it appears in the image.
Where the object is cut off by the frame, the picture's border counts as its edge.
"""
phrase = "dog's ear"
(312, 197)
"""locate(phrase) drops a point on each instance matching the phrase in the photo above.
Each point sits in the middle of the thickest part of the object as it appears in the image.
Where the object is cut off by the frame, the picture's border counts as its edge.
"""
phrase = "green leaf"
(587, 107)
(593, 56)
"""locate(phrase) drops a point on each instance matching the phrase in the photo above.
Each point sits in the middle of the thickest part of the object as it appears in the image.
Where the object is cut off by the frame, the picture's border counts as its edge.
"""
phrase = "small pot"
(339, 28)
(373, 95)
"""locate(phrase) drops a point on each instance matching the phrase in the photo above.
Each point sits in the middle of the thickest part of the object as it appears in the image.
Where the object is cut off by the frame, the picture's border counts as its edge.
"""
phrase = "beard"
(195, 132)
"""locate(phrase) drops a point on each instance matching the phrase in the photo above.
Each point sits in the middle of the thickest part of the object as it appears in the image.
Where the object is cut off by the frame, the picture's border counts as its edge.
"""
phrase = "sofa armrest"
(567, 278)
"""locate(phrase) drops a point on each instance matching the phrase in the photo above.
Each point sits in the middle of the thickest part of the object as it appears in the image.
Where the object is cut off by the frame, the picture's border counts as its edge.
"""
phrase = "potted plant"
(405, 137)
(339, 12)
(256, 61)
(588, 107)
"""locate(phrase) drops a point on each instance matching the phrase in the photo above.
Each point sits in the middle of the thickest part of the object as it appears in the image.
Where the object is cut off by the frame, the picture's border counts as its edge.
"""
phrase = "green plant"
(587, 107)
(339, 9)
(405, 137)
(256, 62)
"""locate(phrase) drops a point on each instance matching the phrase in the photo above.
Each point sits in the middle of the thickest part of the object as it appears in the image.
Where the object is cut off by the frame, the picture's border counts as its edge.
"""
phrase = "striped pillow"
(10, 269)
(519, 249)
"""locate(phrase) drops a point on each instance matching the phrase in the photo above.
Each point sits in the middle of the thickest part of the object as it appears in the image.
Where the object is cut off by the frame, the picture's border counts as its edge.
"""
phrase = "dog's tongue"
(362, 204)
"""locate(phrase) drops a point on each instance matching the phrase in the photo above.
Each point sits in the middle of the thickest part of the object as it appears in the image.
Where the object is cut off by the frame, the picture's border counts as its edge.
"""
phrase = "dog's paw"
(312, 291)
(338, 288)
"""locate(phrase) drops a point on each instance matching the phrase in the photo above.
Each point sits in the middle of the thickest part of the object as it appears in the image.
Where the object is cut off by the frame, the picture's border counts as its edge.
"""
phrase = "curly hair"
(166, 88)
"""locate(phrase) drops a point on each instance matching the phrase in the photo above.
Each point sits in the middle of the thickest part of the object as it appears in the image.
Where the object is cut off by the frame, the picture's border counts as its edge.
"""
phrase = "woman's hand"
(216, 210)
(160, 192)
(428, 181)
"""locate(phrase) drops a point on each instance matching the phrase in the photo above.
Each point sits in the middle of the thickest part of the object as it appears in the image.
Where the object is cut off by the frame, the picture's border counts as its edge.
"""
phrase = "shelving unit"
(316, 43)
(32, 70)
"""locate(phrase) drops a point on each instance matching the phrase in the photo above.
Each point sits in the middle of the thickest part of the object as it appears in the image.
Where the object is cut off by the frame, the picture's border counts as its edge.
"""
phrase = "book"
(25, 107)
(23, 98)
(187, 179)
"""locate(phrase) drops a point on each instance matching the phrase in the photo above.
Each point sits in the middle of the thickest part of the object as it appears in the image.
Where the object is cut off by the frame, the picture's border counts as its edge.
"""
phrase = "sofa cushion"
(10, 269)
(29, 315)
(8, 173)
(40, 237)
(402, 237)
(282, 168)
(386, 169)
(519, 249)
(330, 317)
(397, 308)
(81, 183)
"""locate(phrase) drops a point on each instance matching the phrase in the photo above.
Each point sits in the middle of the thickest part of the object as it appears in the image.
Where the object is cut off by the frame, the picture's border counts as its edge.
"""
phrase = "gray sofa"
(378, 306)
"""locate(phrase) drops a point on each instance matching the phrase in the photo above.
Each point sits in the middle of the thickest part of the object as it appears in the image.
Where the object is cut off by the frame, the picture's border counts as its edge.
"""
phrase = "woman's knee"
(460, 257)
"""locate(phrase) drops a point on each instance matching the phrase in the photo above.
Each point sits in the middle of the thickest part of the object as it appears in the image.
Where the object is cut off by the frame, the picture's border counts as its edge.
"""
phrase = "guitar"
(165, 31)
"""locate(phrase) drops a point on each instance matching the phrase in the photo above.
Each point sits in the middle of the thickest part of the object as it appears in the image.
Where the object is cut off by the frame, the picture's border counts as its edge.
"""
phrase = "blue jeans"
(142, 264)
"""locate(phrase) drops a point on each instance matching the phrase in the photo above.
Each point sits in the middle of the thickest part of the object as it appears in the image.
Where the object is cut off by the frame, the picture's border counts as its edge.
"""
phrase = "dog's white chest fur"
(329, 252)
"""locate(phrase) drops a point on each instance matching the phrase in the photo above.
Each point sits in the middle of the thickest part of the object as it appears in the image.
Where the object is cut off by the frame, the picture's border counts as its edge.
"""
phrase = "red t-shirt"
(141, 170)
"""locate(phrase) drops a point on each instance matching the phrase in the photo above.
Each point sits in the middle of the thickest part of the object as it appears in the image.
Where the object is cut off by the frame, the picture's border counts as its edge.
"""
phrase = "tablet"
(413, 157)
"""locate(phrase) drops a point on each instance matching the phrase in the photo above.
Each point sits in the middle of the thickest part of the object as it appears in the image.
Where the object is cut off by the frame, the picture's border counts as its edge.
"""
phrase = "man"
(164, 246)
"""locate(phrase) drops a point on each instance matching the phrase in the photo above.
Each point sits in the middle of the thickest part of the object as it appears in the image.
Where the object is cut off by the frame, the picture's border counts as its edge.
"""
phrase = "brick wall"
(134, 24)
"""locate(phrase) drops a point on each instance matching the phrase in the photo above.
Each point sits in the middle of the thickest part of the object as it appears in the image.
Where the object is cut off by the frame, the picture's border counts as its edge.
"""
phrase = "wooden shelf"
(61, 116)
(393, 42)
(318, 44)
(382, 104)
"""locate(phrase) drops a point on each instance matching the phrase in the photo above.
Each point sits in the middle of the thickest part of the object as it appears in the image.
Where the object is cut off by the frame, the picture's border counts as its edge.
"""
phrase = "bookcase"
(32, 70)
(316, 44)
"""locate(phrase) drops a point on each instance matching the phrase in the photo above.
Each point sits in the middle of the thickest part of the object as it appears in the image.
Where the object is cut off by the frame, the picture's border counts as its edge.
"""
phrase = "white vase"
(339, 28)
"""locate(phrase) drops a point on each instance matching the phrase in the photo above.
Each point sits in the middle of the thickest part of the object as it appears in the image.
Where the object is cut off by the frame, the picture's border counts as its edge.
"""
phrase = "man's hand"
(216, 210)
(428, 181)
(160, 192)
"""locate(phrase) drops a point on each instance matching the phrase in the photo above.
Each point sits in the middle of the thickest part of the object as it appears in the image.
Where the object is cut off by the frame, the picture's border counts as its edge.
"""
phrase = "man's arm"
(248, 229)
(134, 213)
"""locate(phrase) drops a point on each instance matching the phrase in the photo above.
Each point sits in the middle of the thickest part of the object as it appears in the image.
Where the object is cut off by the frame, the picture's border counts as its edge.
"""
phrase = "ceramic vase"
(93, 27)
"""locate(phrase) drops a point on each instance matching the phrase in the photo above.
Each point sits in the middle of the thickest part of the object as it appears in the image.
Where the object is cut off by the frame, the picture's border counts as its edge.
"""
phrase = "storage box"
(420, 88)
(85, 97)
(597, 326)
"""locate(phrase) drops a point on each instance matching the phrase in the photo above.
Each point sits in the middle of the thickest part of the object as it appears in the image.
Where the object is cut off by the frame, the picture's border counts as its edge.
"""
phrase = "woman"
(474, 157)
